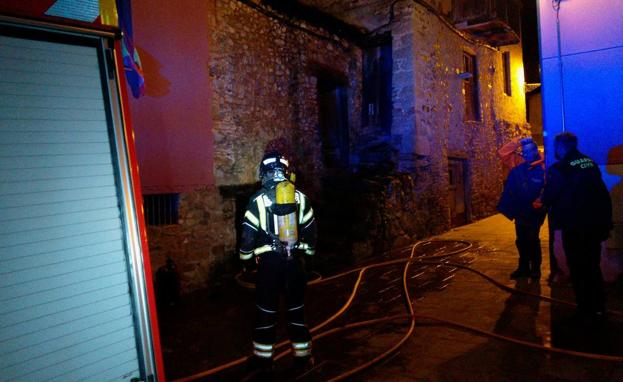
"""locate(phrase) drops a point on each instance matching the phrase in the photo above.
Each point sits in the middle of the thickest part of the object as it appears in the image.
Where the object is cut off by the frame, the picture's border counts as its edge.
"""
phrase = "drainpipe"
(556, 7)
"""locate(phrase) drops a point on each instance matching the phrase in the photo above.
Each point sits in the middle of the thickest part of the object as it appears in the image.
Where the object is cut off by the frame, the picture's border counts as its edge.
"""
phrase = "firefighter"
(278, 236)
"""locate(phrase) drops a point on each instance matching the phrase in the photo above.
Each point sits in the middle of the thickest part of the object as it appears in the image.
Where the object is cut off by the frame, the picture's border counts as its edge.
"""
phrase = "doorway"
(457, 191)
(333, 121)
(377, 84)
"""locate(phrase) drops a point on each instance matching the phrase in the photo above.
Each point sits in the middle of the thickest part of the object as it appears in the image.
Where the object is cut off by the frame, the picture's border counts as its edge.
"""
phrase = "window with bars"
(161, 209)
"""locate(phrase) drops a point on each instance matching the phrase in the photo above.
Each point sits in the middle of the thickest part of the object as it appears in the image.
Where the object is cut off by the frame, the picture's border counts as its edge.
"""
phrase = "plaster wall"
(582, 82)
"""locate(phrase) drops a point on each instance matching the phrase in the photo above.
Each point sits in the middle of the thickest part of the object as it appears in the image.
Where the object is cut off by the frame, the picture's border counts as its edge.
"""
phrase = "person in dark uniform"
(583, 210)
(523, 185)
(556, 275)
(280, 261)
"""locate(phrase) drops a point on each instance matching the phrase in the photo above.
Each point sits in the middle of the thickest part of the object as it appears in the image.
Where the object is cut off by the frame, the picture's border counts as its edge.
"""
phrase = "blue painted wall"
(586, 96)
(591, 36)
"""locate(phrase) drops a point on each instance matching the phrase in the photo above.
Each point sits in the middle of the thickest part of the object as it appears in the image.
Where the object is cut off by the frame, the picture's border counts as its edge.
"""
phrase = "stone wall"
(264, 73)
(264, 76)
(429, 124)
(202, 244)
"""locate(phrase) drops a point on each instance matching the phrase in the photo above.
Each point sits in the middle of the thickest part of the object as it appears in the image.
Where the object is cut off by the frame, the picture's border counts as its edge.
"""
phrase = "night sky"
(530, 41)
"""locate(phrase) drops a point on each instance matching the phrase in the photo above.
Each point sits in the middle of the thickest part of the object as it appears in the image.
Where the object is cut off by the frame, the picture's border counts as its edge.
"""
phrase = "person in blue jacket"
(523, 186)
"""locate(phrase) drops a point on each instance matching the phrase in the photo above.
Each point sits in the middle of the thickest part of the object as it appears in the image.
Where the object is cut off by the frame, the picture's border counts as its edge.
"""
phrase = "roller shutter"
(66, 308)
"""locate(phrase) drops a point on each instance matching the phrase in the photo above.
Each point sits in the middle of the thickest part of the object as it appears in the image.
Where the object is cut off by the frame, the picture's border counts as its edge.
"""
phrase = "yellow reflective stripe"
(264, 347)
(307, 248)
(263, 354)
(302, 353)
(262, 249)
(307, 216)
(261, 209)
(245, 256)
(252, 218)
(296, 308)
(302, 208)
(265, 310)
(301, 345)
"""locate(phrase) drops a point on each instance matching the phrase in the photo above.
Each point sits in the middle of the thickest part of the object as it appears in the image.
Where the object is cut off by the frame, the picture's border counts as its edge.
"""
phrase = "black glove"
(278, 246)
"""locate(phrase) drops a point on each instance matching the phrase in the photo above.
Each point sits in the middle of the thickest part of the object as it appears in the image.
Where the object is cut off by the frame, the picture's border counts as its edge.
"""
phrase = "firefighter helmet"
(273, 169)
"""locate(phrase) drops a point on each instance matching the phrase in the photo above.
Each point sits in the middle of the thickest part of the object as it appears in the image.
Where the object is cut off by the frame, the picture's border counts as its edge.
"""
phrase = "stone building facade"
(269, 74)
(429, 121)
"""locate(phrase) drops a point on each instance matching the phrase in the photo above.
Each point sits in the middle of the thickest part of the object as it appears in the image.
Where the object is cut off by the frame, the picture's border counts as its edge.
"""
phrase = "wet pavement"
(212, 328)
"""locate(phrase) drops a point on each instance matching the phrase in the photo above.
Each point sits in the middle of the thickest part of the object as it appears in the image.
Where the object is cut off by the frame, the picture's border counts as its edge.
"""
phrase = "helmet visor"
(274, 175)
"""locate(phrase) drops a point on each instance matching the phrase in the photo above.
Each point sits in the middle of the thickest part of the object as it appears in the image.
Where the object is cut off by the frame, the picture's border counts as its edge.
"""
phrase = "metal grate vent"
(161, 209)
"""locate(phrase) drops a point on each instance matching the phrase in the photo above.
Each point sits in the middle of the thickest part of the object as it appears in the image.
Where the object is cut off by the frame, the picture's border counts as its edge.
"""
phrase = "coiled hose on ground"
(410, 315)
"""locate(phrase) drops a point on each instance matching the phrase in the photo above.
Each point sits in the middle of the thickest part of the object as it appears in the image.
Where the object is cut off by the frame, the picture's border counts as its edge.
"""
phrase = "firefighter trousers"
(279, 275)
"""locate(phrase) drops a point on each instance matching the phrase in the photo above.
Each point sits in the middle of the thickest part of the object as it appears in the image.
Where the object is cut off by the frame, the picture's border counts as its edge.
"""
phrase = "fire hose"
(411, 316)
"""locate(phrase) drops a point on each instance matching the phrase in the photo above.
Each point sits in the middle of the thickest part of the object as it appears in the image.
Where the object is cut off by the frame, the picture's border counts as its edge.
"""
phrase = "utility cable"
(282, 19)
(454, 29)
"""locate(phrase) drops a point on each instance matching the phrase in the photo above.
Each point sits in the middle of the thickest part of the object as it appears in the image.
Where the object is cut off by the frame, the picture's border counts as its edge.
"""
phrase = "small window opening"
(470, 88)
(506, 61)
(161, 209)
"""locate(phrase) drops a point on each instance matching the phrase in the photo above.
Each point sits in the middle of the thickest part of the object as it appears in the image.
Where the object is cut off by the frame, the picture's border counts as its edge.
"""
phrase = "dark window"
(161, 209)
(377, 84)
(470, 88)
(506, 61)
(457, 191)
(333, 120)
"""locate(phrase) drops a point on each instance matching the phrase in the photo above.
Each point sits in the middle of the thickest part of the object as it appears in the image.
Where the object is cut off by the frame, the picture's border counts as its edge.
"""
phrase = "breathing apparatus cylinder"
(287, 222)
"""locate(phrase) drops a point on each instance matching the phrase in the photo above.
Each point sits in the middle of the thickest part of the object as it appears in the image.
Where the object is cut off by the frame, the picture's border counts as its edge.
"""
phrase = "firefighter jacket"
(260, 230)
(577, 196)
(523, 185)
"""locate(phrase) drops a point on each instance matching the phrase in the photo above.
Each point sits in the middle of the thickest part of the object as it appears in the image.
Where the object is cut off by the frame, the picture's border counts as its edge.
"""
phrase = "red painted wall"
(33, 8)
(172, 121)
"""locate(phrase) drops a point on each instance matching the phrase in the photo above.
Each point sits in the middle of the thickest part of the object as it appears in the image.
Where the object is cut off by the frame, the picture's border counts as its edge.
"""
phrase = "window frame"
(470, 87)
(506, 65)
